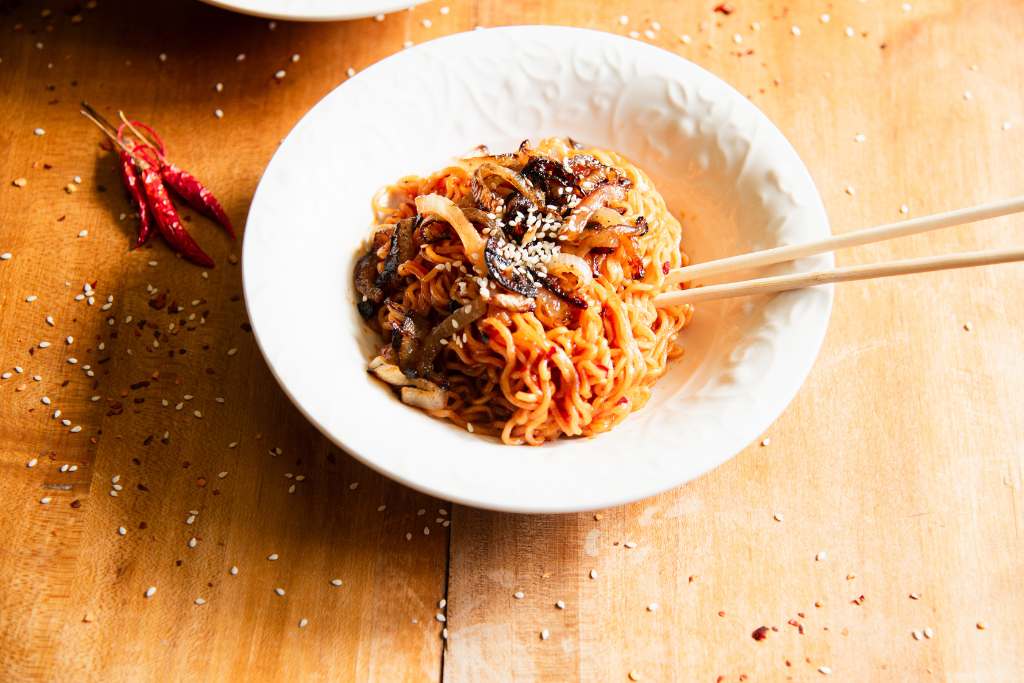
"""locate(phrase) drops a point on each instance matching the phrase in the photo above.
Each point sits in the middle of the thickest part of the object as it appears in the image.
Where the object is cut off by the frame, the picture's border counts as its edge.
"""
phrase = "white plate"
(314, 10)
(712, 154)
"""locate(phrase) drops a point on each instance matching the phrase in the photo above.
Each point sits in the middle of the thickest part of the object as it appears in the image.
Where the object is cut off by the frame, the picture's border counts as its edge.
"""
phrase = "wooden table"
(887, 504)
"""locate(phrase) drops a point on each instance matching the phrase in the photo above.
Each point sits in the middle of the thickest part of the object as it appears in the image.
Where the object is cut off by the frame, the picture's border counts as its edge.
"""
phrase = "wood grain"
(900, 459)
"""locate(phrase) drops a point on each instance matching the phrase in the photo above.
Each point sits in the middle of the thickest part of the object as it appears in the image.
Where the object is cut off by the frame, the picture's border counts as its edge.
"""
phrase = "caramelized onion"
(486, 198)
(583, 212)
(563, 262)
(450, 326)
(445, 209)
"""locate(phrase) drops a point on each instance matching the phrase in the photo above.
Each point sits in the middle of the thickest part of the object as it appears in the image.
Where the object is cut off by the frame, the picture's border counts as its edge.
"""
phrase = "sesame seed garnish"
(408, 536)
(825, 18)
(426, 23)
(1007, 125)
(121, 531)
(849, 32)
(280, 73)
(233, 571)
(45, 400)
(825, 670)
(915, 596)
(232, 351)
(336, 582)
(795, 30)
(45, 500)
(766, 441)
(7, 256)
(219, 87)
(303, 622)
(545, 634)
(200, 601)
(444, 9)
(593, 573)
(519, 595)
(350, 72)
(44, 344)
(353, 486)
(968, 95)
(968, 326)
(279, 591)
(634, 675)
(378, 18)
(441, 618)
(981, 626)
(31, 297)
(219, 113)
(240, 57)
(917, 635)
(295, 58)
(904, 209)
(928, 632)
(860, 137)
(150, 592)
(821, 556)
(39, 131)
(777, 516)
(272, 556)
(32, 463)
(193, 542)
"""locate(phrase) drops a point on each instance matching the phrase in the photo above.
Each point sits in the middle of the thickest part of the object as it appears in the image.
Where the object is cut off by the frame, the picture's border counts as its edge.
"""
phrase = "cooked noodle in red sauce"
(514, 293)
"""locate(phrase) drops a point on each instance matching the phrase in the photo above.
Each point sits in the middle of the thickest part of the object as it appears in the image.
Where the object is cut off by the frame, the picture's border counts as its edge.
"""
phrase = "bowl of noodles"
(454, 280)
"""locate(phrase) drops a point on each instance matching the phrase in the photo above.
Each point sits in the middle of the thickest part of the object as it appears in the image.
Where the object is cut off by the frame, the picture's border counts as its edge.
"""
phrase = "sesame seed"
(795, 30)
(219, 87)
(634, 675)
(777, 516)
(353, 486)
(981, 626)
(917, 635)
(408, 536)
(32, 463)
(860, 137)
(379, 18)
(232, 351)
(295, 58)
(849, 190)
(31, 297)
(426, 531)
(44, 344)
(928, 632)
(200, 601)
(766, 441)
(441, 618)
(649, 34)
(303, 622)
(150, 592)
(233, 571)
(426, 23)
(1007, 125)
(121, 531)
(968, 95)
(825, 670)
(382, 508)
(69, 340)
(336, 582)
(737, 38)
(350, 72)
(444, 9)
(39, 131)
(240, 57)
(545, 634)
(968, 326)
(904, 209)
(7, 256)
(560, 604)
(593, 573)
(219, 113)
(82, 233)
(629, 544)
(45, 400)
(279, 591)
(821, 556)
(272, 556)
(197, 413)
(272, 25)
(623, 20)
(915, 596)
(653, 607)
(280, 73)
(519, 595)
(45, 500)
(849, 31)
(825, 18)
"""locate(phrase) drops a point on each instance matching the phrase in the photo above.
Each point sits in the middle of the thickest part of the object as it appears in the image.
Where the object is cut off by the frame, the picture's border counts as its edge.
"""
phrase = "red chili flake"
(721, 614)
(623, 401)
(725, 8)
(665, 267)
(760, 633)
(604, 367)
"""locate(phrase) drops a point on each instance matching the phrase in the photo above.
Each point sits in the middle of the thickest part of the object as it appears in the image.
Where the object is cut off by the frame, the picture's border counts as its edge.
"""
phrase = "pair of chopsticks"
(781, 283)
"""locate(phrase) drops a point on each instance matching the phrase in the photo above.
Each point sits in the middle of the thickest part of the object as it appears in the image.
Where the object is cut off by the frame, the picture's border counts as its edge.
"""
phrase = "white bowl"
(313, 10)
(712, 154)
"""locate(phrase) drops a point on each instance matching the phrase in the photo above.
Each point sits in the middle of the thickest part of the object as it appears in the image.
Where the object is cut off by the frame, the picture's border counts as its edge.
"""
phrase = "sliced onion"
(583, 212)
(442, 207)
(484, 196)
(562, 262)
(427, 399)
(514, 302)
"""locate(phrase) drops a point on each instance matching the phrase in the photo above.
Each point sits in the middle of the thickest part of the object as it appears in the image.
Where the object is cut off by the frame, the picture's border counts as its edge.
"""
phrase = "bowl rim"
(816, 336)
(328, 12)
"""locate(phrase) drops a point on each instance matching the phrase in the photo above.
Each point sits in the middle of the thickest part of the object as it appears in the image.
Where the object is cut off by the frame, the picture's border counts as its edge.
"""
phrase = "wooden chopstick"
(879, 233)
(780, 283)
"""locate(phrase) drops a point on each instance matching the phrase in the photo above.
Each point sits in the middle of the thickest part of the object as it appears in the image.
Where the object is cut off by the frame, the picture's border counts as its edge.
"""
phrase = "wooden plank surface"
(896, 470)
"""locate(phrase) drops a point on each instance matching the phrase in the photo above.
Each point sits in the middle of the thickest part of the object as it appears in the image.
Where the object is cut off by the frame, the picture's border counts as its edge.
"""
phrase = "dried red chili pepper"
(130, 178)
(167, 221)
(196, 195)
(184, 184)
